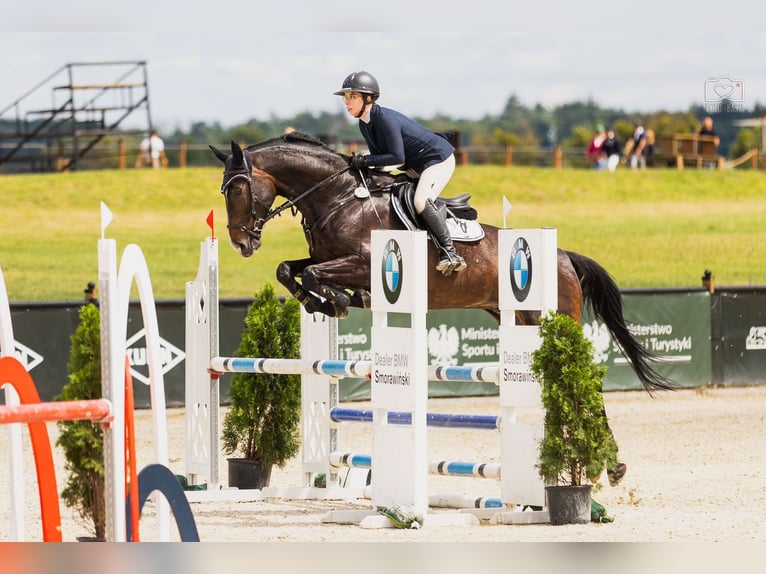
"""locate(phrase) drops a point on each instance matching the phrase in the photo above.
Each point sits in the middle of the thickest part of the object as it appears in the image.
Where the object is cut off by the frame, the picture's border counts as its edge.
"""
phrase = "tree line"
(570, 125)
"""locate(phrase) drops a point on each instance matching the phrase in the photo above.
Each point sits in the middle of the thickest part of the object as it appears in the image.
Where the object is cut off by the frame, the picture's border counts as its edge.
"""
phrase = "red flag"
(210, 224)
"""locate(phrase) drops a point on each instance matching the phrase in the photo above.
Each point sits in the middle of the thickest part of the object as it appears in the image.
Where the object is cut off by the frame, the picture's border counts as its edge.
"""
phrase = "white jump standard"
(399, 378)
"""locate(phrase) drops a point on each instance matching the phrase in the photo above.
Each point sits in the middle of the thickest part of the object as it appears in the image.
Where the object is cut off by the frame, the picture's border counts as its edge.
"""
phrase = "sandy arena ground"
(696, 472)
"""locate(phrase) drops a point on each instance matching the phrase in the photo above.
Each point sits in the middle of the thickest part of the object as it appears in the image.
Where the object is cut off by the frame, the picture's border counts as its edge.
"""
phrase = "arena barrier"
(114, 410)
(23, 406)
(528, 281)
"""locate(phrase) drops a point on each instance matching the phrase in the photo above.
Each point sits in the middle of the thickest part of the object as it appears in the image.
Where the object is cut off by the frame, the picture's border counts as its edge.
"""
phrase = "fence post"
(182, 154)
(557, 157)
(508, 154)
(754, 158)
(121, 147)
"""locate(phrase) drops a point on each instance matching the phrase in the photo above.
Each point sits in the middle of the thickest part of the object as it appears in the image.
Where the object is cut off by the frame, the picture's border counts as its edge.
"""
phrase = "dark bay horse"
(319, 183)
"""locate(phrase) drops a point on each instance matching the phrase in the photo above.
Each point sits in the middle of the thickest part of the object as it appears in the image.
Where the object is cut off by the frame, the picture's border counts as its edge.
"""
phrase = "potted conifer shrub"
(262, 425)
(83, 441)
(577, 442)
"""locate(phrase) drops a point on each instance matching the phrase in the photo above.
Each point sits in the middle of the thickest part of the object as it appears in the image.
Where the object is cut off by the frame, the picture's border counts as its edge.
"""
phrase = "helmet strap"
(368, 101)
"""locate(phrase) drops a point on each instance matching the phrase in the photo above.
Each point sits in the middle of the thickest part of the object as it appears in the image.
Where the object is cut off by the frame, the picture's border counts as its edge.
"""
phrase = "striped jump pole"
(341, 368)
(442, 467)
(444, 420)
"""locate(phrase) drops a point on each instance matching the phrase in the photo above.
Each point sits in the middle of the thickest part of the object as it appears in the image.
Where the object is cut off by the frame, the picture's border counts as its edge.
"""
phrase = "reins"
(259, 222)
(272, 213)
(246, 173)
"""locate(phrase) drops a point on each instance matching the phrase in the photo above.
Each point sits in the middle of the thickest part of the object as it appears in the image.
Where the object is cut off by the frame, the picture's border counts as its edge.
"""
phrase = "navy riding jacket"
(393, 138)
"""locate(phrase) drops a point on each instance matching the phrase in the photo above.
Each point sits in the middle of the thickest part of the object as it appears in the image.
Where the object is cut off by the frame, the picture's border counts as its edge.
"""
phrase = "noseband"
(245, 172)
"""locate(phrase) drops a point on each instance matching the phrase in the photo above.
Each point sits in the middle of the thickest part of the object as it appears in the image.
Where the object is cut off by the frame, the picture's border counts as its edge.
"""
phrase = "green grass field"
(657, 228)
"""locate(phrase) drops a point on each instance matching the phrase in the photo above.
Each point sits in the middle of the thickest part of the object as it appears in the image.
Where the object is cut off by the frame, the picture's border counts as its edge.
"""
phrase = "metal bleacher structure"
(57, 124)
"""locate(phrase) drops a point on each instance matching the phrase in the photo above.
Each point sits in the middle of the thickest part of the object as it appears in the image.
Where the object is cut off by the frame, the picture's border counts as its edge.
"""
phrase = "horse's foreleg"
(287, 271)
(333, 279)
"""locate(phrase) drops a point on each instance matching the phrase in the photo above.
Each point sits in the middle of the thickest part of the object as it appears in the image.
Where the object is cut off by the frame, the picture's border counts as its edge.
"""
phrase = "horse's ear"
(218, 153)
(238, 158)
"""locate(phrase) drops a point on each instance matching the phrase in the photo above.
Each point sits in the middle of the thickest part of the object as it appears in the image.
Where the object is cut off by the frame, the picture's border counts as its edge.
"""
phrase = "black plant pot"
(569, 504)
(90, 539)
(248, 474)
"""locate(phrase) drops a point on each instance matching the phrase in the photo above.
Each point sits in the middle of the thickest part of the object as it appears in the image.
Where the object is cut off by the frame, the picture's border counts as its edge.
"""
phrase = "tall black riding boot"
(449, 260)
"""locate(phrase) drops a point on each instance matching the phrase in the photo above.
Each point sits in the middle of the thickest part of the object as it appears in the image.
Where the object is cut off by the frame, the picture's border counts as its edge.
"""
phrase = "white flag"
(506, 208)
(106, 218)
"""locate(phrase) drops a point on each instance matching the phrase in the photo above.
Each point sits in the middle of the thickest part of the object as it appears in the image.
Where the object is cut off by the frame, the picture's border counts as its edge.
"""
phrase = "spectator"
(706, 129)
(152, 151)
(611, 150)
(595, 151)
(90, 293)
(638, 148)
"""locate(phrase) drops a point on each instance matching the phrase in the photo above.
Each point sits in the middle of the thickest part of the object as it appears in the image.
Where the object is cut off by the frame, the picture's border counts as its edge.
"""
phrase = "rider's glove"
(357, 161)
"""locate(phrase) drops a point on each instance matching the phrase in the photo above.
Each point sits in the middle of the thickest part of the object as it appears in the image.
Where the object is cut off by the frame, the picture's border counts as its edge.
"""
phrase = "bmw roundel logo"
(521, 269)
(391, 271)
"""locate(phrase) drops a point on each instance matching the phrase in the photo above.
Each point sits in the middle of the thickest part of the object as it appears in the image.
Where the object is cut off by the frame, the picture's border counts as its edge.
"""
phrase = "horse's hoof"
(337, 297)
(616, 475)
(363, 298)
(341, 312)
(312, 306)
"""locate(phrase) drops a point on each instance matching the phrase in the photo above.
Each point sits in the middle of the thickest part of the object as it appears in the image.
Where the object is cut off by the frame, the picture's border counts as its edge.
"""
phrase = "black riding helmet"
(361, 82)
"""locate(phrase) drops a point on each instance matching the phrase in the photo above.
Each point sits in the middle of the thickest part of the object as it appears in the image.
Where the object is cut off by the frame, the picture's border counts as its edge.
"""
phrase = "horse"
(321, 185)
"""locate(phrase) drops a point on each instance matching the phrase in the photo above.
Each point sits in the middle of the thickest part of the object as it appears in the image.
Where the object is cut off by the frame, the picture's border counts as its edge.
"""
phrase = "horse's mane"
(295, 137)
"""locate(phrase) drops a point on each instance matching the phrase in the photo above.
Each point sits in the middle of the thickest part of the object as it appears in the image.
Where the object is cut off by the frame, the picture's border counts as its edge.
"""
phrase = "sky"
(234, 61)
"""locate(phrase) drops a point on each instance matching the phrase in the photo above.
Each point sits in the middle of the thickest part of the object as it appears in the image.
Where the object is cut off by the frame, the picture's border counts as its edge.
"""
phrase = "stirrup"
(449, 263)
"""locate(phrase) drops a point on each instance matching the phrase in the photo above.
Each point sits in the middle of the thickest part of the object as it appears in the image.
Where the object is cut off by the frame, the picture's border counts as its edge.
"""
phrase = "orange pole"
(122, 149)
(182, 154)
(557, 157)
(98, 410)
(131, 480)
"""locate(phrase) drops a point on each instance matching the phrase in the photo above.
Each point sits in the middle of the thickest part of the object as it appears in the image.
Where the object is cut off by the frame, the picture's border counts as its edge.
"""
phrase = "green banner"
(673, 326)
(455, 337)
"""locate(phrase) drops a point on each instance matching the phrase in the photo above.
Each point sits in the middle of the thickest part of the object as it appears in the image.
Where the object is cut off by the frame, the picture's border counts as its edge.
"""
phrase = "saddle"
(460, 216)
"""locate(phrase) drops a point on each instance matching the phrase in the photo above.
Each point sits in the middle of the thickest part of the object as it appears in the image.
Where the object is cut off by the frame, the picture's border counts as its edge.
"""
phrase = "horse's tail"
(602, 294)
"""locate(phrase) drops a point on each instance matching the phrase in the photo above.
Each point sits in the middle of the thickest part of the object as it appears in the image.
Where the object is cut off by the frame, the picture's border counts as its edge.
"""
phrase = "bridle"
(245, 172)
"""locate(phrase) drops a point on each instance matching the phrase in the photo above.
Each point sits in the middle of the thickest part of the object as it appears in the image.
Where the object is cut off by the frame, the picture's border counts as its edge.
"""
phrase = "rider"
(395, 140)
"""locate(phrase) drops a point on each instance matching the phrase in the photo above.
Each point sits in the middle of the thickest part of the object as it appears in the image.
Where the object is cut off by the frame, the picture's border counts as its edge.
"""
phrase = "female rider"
(395, 140)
